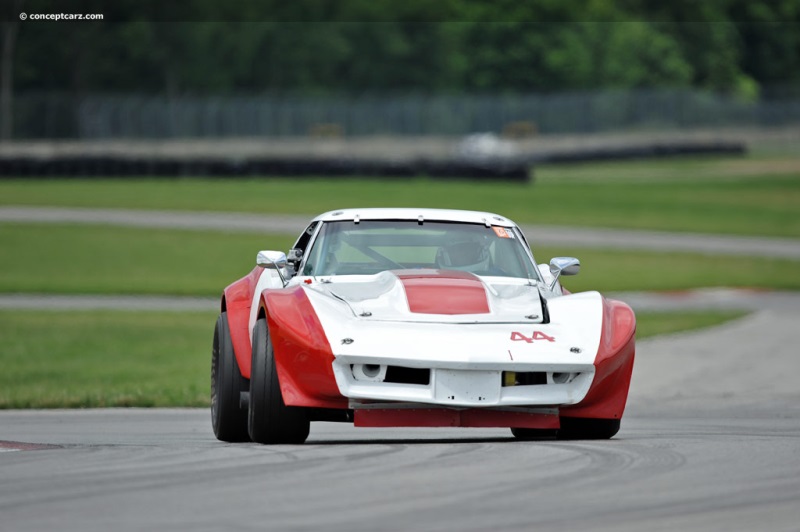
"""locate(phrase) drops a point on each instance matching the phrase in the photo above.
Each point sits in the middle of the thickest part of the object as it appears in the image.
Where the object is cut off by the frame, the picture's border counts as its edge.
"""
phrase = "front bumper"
(462, 384)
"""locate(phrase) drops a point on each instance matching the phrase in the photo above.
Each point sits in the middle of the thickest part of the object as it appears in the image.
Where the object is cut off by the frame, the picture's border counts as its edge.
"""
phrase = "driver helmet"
(468, 256)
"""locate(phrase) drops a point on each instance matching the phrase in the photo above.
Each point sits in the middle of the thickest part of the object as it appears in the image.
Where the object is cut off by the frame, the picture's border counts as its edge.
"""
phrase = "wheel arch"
(303, 355)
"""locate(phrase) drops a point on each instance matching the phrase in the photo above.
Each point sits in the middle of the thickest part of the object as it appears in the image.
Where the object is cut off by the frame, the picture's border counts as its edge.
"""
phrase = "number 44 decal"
(537, 335)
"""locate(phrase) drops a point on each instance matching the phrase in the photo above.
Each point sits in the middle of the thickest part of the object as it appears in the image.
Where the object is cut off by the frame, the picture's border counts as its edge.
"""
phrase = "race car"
(417, 318)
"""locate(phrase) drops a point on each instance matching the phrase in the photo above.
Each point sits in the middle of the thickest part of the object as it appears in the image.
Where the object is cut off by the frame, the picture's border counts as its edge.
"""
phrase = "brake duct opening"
(392, 374)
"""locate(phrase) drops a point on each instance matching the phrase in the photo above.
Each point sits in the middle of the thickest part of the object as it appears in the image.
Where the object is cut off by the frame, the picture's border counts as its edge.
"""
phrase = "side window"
(302, 242)
(298, 251)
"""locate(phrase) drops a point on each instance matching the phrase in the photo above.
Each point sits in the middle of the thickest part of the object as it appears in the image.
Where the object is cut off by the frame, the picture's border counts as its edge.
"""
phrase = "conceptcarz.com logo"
(61, 16)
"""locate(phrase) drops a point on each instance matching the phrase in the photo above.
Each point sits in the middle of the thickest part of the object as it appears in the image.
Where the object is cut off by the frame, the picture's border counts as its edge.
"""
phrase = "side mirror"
(563, 266)
(274, 260)
(271, 259)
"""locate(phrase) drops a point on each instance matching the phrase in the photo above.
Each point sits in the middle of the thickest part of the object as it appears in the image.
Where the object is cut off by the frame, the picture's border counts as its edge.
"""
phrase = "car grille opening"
(524, 378)
(563, 378)
(403, 375)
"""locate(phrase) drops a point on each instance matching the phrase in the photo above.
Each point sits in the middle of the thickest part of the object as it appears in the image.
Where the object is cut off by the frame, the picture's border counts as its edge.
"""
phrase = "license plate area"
(466, 387)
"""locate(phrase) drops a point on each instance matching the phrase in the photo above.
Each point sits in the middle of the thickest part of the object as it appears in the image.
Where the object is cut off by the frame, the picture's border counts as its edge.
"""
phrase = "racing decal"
(502, 232)
(537, 335)
(446, 292)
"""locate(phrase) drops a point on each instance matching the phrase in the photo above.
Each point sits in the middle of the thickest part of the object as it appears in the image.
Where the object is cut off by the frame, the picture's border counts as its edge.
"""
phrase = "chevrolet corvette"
(417, 318)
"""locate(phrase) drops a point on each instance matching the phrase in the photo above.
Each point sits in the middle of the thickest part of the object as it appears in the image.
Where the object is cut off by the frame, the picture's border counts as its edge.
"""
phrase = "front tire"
(270, 421)
(578, 428)
(228, 419)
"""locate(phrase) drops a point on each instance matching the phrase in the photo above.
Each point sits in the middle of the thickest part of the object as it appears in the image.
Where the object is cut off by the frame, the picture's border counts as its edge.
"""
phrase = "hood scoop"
(446, 292)
(441, 296)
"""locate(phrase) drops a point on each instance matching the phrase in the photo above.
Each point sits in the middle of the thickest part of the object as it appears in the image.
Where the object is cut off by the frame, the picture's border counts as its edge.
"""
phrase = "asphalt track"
(710, 441)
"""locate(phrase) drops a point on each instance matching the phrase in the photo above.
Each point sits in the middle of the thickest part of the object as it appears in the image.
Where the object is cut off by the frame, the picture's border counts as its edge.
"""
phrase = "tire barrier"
(644, 151)
(513, 168)
(116, 166)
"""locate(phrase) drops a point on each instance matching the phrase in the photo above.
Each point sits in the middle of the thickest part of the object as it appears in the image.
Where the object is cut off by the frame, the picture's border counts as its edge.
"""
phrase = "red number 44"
(537, 335)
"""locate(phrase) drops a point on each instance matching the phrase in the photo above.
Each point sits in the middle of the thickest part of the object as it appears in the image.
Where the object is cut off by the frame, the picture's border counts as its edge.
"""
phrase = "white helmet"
(470, 256)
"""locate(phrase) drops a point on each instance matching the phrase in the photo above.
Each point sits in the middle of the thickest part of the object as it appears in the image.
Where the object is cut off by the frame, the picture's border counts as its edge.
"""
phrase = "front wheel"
(270, 420)
(228, 418)
(579, 428)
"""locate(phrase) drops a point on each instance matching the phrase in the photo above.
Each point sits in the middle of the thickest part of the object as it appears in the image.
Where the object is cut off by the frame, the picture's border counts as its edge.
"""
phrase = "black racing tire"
(578, 428)
(228, 418)
(533, 434)
(270, 421)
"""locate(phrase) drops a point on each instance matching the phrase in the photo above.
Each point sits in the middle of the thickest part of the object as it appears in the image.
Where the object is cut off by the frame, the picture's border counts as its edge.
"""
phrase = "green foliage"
(204, 46)
(768, 35)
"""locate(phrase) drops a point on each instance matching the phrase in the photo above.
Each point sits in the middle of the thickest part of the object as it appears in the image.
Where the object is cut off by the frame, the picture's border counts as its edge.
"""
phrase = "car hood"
(433, 296)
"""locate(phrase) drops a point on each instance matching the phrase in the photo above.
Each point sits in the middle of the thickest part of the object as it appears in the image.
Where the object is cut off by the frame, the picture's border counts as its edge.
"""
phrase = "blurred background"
(596, 125)
(209, 69)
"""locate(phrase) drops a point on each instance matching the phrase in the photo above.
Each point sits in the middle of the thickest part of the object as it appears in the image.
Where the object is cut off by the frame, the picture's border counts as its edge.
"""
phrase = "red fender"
(302, 353)
(613, 366)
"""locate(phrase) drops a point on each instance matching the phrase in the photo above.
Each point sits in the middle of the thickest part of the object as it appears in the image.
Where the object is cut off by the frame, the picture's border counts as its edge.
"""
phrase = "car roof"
(439, 215)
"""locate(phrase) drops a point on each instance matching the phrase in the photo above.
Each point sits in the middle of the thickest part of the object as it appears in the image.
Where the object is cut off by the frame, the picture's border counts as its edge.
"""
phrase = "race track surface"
(589, 237)
(710, 441)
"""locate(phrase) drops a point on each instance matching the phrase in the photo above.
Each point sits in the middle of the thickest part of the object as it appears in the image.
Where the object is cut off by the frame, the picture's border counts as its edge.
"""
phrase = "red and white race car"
(416, 318)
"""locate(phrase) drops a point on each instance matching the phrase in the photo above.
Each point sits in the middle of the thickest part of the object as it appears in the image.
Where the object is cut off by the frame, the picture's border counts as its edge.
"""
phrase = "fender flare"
(303, 355)
(613, 363)
(237, 299)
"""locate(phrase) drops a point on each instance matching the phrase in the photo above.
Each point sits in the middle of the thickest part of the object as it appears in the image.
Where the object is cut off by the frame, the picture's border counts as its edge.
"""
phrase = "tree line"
(377, 46)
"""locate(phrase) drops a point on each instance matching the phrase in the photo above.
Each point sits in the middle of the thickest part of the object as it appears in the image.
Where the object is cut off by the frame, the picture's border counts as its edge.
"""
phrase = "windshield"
(370, 247)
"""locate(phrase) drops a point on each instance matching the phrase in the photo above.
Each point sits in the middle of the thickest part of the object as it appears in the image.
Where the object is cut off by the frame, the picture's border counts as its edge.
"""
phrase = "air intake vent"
(526, 378)
(402, 375)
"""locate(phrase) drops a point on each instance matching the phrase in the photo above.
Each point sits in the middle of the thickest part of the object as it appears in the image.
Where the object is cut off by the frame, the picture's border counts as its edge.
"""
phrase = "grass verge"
(148, 359)
(84, 259)
(100, 359)
(650, 324)
(101, 259)
(713, 195)
(617, 270)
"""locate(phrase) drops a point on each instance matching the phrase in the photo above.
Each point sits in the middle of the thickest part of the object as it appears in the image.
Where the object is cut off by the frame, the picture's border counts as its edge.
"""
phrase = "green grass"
(749, 196)
(99, 359)
(99, 259)
(86, 259)
(650, 324)
(147, 359)
(665, 271)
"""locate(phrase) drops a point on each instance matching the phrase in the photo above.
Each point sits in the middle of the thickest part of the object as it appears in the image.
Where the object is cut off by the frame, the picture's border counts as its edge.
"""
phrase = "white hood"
(390, 296)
